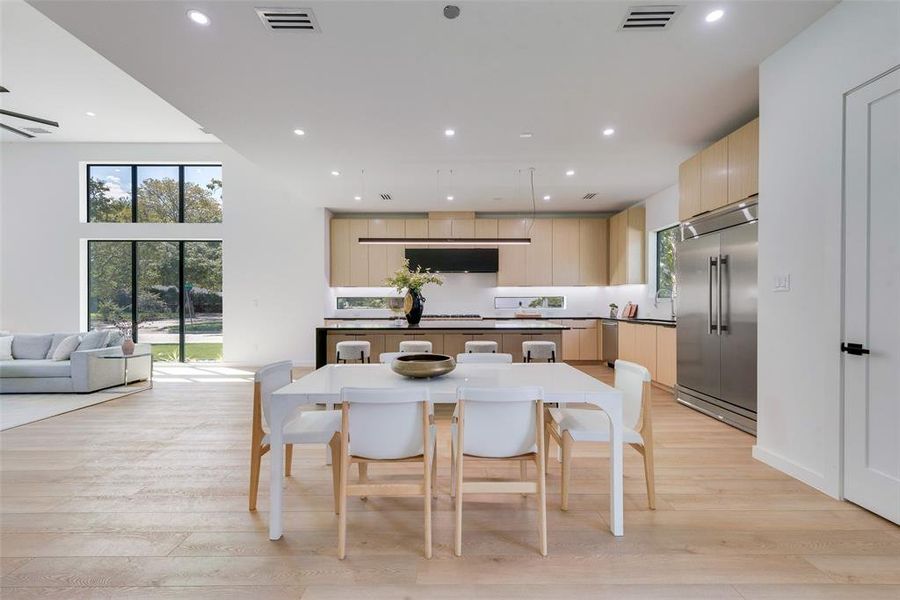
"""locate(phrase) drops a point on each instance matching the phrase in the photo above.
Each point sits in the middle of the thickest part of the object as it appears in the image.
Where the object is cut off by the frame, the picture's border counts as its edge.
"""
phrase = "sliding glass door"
(166, 293)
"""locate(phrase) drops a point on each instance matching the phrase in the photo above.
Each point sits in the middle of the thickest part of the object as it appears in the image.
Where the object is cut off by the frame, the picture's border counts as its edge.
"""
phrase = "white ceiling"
(376, 88)
(51, 74)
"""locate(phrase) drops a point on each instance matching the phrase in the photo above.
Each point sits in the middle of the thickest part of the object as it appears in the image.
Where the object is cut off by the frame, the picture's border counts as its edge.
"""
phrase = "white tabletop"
(561, 382)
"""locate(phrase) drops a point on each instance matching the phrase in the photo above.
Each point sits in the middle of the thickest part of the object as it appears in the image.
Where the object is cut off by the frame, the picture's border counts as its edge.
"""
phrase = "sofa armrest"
(90, 372)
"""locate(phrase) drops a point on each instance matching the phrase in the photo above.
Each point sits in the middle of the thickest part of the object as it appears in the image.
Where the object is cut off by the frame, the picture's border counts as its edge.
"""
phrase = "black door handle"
(854, 349)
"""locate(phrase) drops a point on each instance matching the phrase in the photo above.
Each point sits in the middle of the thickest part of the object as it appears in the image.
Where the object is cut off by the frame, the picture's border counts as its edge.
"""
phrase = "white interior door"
(871, 292)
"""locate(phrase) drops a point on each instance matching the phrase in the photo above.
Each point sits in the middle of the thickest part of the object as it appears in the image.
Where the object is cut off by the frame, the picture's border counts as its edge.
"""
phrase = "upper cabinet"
(627, 239)
(566, 251)
(593, 251)
(512, 269)
(723, 173)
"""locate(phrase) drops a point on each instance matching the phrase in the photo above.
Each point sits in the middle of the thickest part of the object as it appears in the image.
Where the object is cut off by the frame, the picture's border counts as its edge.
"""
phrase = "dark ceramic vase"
(416, 306)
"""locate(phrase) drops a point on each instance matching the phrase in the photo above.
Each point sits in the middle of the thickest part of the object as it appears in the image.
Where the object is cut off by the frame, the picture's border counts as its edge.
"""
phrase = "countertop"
(394, 324)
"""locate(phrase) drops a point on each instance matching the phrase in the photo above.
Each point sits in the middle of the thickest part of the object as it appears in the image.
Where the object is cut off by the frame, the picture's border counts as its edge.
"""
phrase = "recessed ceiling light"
(198, 17)
(299, 132)
(569, 173)
(715, 15)
(357, 198)
(608, 131)
(91, 114)
(450, 198)
(335, 173)
(526, 134)
(546, 198)
(449, 132)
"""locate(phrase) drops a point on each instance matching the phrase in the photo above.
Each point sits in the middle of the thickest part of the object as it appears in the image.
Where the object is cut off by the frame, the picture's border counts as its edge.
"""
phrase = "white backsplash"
(474, 293)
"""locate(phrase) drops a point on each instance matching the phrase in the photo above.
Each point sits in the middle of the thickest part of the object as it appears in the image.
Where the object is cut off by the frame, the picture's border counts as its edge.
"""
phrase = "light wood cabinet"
(486, 228)
(512, 269)
(539, 253)
(439, 228)
(462, 228)
(714, 176)
(384, 260)
(359, 253)
(392, 341)
(580, 341)
(628, 341)
(512, 344)
(593, 247)
(666, 356)
(689, 188)
(570, 348)
(645, 347)
(340, 252)
(416, 228)
(743, 162)
(566, 251)
(627, 239)
(723, 173)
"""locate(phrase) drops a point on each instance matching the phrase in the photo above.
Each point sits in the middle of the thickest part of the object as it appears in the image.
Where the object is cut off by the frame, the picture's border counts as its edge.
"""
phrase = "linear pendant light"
(387, 241)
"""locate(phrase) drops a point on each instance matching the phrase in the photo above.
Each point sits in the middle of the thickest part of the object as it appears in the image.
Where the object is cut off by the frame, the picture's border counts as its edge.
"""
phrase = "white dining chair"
(499, 424)
(481, 357)
(570, 425)
(481, 346)
(306, 427)
(420, 346)
(386, 425)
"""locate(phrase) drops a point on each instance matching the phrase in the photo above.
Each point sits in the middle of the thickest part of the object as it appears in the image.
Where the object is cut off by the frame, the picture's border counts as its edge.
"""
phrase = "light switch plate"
(782, 283)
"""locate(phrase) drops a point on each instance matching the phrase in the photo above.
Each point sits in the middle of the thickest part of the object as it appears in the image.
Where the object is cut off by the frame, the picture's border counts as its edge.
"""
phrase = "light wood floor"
(145, 497)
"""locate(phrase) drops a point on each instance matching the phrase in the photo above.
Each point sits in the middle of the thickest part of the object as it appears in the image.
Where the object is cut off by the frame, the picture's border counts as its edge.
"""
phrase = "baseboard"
(799, 472)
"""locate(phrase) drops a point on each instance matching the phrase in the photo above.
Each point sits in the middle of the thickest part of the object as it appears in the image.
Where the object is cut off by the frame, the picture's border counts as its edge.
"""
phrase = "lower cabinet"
(455, 343)
(392, 341)
(651, 346)
(580, 341)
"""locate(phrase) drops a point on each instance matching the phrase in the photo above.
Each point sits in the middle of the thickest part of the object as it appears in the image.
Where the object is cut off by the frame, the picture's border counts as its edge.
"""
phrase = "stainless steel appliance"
(609, 352)
(717, 291)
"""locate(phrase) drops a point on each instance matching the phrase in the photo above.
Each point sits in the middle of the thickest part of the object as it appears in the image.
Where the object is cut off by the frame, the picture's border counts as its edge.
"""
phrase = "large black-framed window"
(154, 193)
(167, 293)
(665, 261)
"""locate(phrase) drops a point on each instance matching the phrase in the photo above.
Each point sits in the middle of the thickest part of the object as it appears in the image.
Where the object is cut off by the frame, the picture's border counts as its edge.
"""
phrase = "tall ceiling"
(377, 86)
(51, 74)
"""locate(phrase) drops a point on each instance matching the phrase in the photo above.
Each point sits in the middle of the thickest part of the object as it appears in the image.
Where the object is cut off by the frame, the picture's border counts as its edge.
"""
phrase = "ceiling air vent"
(589, 196)
(288, 19)
(37, 130)
(649, 18)
(385, 196)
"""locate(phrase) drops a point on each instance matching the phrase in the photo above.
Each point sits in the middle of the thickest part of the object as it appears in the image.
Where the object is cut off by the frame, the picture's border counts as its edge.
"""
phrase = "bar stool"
(353, 350)
(539, 350)
(415, 346)
(481, 346)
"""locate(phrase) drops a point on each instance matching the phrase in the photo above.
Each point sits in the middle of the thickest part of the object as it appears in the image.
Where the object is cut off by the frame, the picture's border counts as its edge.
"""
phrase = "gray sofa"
(84, 371)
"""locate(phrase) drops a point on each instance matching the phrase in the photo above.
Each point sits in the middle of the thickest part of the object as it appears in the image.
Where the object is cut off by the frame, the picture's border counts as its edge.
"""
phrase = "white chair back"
(270, 378)
(630, 379)
(483, 357)
(420, 346)
(388, 357)
(499, 422)
(385, 423)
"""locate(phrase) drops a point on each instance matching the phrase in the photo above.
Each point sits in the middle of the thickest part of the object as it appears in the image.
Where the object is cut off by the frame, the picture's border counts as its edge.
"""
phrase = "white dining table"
(561, 383)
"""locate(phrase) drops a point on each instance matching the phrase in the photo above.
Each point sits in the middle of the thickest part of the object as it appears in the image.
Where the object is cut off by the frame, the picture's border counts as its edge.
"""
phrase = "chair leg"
(452, 469)
(523, 473)
(288, 459)
(567, 442)
(429, 482)
(363, 477)
(547, 446)
(342, 509)
(457, 545)
(335, 445)
(542, 503)
(434, 490)
(255, 461)
(649, 475)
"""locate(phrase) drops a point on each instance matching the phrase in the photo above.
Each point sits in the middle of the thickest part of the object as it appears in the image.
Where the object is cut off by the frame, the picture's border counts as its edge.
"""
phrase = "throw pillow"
(66, 347)
(57, 338)
(6, 347)
(93, 340)
(32, 346)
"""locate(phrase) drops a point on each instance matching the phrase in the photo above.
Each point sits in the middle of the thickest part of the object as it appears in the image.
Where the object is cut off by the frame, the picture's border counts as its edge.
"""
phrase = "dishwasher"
(610, 350)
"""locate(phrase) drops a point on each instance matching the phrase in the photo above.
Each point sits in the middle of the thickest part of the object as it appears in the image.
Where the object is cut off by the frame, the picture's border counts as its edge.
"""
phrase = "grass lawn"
(201, 351)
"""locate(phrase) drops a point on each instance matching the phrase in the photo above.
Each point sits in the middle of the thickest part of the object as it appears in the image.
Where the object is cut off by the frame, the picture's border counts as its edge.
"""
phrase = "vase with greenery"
(405, 279)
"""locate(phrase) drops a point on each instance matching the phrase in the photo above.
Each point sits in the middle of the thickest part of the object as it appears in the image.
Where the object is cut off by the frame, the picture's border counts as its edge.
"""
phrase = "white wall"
(273, 246)
(800, 232)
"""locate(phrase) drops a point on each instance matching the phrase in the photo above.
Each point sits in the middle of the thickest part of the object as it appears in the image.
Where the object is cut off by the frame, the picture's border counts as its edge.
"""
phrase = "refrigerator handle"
(719, 305)
(710, 326)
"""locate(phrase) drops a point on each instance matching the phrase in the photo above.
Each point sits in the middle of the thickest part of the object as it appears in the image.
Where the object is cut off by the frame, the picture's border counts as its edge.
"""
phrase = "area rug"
(21, 409)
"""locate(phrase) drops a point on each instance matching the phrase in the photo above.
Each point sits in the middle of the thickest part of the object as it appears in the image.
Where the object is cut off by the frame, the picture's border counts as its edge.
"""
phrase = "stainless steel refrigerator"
(716, 335)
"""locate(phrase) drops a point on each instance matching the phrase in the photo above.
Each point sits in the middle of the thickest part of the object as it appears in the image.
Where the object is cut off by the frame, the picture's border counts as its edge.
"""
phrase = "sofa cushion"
(6, 347)
(31, 346)
(66, 347)
(35, 368)
(57, 338)
(93, 340)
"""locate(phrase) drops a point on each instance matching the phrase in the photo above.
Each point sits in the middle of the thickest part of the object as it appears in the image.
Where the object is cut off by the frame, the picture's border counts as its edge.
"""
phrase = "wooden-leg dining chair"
(567, 426)
(499, 424)
(384, 425)
(306, 427)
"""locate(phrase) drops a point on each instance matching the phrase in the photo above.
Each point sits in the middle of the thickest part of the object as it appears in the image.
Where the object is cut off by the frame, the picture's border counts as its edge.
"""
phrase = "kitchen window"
(369, 303)
(665, 262)
(516, 302)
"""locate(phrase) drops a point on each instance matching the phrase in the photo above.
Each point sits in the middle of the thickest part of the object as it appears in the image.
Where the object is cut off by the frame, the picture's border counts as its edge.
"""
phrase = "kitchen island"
(446, 337)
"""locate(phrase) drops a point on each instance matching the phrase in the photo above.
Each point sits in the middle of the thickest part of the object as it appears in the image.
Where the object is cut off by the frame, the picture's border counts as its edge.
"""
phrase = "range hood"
(455, 260)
